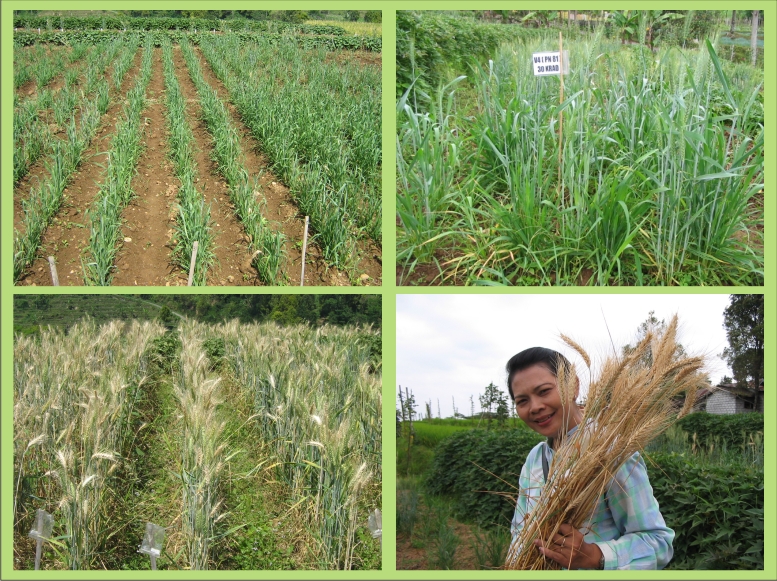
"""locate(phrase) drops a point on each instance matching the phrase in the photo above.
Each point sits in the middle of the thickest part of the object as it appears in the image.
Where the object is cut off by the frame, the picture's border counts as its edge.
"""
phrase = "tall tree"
(651, 325)
(754, 37)
(493, 401)
(743, 320)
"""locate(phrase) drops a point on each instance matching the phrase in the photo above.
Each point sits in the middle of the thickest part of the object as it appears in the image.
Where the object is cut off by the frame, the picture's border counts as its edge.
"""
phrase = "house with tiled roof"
(729, 398)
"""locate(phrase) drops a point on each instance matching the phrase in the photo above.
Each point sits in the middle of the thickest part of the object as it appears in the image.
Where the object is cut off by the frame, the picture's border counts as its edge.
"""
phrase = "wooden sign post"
(555, 63)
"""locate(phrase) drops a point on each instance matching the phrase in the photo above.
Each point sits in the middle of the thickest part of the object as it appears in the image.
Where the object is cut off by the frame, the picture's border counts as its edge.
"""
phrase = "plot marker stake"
(54, 275)
(152, 543)
(44, 523)
(304, 250)
(194, 260)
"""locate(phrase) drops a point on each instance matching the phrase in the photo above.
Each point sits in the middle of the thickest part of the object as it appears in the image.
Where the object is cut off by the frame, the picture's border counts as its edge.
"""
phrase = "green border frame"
(389, 290)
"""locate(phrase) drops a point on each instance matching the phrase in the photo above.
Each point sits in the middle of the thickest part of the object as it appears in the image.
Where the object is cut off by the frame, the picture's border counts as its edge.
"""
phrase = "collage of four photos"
(571, 242)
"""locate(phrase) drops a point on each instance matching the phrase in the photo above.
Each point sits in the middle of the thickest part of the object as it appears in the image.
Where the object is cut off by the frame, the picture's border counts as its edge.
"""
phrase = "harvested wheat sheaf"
(633, 401)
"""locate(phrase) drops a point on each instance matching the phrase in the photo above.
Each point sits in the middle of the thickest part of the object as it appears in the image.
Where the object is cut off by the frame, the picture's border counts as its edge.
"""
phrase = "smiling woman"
(626, 530)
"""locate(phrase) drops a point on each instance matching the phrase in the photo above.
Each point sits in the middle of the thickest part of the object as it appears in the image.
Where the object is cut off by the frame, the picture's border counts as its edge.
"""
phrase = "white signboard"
(549, 63)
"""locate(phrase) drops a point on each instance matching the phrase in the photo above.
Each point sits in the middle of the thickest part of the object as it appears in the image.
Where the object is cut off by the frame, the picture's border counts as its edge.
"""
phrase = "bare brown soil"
(68, 235)
(429, 273)
(144, 256)
(361, 57)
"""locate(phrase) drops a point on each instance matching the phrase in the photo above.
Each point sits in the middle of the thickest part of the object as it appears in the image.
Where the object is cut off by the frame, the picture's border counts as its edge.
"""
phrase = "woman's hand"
(569, 549)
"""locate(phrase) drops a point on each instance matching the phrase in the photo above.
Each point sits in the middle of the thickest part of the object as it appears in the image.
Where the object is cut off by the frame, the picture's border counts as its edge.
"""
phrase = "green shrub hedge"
(441, 43)
(460, 467)
(730, 430)
(717, 513)
(367, 43)
(167, 23)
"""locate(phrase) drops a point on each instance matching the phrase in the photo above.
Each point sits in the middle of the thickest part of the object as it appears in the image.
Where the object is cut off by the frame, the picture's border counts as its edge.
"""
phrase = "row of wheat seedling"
(320, 128)
(46, 197)
(29, 64)
(651, 180)
(267, 243)
(116, 191)
(74, 399)
(204, 452)
(193, 221)
(318, 402)
(31, 133)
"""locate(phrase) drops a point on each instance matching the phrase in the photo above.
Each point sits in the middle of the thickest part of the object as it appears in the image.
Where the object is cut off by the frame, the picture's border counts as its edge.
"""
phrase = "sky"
(449, 347)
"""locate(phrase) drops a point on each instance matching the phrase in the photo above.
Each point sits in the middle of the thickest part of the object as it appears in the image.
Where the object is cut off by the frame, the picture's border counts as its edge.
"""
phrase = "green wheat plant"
(45, 196)
(655, 178)
(266, 241)
(320, 129)
(193, 221)
(116, 190)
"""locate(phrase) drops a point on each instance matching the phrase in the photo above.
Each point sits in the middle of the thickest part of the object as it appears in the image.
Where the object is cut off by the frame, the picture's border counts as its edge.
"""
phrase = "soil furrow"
(233, 256)
(68, 234)
(280, 206)
(144, 257)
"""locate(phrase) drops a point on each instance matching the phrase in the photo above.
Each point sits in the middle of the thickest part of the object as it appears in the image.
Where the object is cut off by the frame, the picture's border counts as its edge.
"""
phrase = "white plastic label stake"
(152, 542)
(375, 524)
(549, 63)
(44, 525)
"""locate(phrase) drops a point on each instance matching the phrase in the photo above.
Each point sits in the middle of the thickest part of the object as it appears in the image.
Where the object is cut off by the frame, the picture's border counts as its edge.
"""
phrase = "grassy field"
(355, 28)
(649, 170)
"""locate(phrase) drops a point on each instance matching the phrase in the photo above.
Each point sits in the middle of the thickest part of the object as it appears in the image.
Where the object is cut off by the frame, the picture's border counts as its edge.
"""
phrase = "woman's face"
(538, 402)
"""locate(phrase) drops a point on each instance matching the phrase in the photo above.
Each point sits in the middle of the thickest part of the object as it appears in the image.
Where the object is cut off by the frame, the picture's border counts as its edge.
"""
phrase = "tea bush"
(717, 513)
(729, 430)
(479, 468)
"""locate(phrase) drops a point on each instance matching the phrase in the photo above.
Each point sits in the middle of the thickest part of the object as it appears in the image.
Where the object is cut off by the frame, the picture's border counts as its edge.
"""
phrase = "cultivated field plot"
(648, 171)
(130, 148)
(254, 446)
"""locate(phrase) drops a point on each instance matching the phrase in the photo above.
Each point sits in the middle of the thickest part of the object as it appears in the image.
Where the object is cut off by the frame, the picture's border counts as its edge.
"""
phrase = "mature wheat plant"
(204, 450)
(74, 395)
(316, 396)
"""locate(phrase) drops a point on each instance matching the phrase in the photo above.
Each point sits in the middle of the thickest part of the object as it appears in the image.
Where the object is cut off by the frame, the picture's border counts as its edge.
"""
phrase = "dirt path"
(280, 206)
(68, 234)
(144, 258)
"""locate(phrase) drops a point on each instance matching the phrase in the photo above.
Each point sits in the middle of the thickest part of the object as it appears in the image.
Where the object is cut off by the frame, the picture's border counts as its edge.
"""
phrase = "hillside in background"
(30, 311)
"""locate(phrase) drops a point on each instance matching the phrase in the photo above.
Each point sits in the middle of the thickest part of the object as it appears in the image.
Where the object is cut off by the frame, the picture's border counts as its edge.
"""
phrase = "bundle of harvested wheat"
(632, 402)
